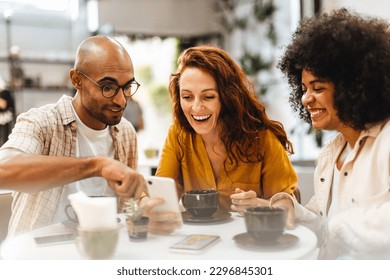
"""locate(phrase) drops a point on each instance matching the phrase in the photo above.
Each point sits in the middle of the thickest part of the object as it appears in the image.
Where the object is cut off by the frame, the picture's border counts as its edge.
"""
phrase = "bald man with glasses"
(80, 143)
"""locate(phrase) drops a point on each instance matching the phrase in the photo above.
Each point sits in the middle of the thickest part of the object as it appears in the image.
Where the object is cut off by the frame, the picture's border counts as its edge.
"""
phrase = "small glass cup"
(98, 244)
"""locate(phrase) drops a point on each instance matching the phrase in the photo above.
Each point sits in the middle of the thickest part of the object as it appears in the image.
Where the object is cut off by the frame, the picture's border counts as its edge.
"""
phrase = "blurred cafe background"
(39, 40)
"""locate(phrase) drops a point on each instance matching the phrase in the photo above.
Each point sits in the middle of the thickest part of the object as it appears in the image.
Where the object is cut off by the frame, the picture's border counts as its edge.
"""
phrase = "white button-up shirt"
(361, 228)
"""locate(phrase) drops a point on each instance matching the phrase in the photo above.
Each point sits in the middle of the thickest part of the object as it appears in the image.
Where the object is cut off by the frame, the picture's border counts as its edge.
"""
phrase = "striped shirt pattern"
(51, 130)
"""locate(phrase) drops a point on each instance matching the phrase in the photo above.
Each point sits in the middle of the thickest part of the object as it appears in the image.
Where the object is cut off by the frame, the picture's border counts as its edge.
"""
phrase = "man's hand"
(125, 181)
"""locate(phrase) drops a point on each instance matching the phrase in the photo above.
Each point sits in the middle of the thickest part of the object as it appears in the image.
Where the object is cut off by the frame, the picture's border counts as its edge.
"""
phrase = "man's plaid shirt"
(51, 130)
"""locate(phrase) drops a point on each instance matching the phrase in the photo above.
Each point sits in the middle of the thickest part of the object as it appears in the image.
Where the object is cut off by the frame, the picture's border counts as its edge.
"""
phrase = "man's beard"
(104, 119)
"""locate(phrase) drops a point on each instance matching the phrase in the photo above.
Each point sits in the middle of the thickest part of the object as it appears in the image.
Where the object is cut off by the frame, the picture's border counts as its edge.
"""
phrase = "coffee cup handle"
(69, 208)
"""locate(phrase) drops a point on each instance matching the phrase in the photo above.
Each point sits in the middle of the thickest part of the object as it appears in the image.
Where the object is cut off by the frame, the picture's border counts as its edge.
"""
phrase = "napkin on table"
(94, 213)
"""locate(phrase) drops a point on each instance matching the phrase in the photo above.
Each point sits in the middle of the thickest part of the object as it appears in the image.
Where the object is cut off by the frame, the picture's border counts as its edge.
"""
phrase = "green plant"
(257, 20)
(254, 63)
(271, 34)
(263, 10)
(241, 23)
(160, 97)
(144, 73)
(132, 210)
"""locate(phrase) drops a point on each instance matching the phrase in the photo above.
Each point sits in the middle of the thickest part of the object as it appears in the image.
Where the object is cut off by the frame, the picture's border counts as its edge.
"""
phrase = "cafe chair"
(297, 194)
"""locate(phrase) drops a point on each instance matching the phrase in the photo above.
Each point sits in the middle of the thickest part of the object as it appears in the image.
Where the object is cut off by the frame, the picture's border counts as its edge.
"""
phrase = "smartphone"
(195, 243)
(165, 188)
(55, 239)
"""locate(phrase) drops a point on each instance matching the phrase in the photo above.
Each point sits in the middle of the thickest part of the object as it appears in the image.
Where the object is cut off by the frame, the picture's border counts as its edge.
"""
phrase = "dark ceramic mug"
(265, 223)
(201, 203)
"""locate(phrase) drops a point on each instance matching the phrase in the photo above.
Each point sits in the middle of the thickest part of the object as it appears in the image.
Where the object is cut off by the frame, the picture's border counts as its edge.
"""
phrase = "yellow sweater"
(184, 158)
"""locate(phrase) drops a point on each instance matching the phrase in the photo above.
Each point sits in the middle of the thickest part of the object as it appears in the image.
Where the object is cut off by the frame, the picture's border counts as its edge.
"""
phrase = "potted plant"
(137, 224)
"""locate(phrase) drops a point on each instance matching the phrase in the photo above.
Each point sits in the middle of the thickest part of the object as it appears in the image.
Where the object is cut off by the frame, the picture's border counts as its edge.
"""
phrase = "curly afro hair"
(352, 52)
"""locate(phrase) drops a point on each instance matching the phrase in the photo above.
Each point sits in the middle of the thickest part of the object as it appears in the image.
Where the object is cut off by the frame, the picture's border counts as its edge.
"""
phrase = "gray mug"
(71, 214)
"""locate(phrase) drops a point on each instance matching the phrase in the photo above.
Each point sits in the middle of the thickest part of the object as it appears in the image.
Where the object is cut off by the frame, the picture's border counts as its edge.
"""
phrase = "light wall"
(377, 8)
(47, 41)
(156, 17)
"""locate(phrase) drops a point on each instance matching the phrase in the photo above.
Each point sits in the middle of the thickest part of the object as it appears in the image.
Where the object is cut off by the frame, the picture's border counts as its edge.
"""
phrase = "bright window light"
(50, 5)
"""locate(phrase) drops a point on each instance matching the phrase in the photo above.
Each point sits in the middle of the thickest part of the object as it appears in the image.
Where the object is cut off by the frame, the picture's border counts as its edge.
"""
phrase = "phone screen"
(195, 242)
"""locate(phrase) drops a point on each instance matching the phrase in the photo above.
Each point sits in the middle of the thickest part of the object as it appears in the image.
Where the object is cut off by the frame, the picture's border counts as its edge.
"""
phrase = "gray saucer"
(216, 217)
(246, 241)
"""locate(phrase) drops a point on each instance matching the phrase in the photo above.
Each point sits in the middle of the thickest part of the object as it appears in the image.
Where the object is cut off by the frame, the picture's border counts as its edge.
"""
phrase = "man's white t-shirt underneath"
(89, 142)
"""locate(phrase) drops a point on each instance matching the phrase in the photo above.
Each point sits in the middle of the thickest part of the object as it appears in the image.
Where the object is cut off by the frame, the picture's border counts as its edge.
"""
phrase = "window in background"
(57, 5)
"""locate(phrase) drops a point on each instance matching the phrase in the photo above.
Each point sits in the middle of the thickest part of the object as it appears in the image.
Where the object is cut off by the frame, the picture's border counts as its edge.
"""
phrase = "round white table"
(156, 247)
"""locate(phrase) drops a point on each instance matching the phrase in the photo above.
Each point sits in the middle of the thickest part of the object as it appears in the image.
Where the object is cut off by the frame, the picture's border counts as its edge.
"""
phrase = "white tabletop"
(156, 247)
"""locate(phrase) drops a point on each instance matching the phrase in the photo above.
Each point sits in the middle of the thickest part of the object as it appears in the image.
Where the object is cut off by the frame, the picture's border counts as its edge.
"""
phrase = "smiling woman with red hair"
(221, 137)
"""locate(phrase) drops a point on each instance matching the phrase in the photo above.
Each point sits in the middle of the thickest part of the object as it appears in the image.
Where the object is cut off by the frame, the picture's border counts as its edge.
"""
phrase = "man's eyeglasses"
(110, 89)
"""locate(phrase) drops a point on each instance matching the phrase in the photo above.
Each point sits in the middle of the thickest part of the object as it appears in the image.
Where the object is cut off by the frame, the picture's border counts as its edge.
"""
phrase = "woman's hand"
(242, 200)
(160, 222)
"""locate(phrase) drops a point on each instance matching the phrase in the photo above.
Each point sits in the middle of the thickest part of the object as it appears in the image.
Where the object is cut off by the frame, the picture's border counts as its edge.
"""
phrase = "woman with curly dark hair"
(338, 66)
(221, 137)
